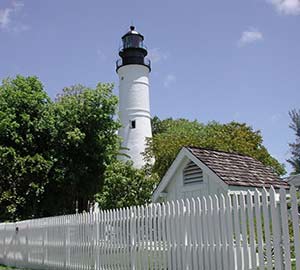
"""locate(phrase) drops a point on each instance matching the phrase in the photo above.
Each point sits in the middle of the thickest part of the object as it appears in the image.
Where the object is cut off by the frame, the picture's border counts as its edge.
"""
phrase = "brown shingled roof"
(238, 170)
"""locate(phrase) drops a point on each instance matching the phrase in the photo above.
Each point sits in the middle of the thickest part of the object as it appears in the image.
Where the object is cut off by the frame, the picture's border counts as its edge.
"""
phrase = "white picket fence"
(240, 231)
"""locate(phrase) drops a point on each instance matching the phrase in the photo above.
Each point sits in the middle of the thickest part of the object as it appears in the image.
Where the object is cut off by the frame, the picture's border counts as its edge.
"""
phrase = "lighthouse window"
(132, 124)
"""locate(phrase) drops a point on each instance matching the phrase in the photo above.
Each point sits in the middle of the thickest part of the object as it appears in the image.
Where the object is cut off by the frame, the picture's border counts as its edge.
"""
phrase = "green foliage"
(295, 147)
(53, 153)
(170, 136)
(86, 142)
(3, 267)
(125, 186)
(26, 129)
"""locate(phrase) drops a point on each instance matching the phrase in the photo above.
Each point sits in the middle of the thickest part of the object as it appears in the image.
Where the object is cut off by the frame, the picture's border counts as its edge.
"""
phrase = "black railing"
(145, 61)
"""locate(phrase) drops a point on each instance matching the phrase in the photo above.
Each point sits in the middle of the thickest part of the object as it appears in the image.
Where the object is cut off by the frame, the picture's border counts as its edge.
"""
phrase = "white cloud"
(157, 55)
(169, 80)
(236, 115)
(250, 36)
(20, 28)
(275, 118)
(17, 5)
(7, 16)
(286, 7)
(101, 55)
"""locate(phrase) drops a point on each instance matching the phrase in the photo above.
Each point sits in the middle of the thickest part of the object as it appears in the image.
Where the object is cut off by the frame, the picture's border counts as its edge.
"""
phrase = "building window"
(192, 173)
(132, 124)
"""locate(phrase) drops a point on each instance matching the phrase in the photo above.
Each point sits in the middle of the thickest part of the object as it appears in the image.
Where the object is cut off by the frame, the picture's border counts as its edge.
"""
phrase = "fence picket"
(205, 233)
(173, 235)
(252, 241)
(168, 235)
(266, 218)
(217, 231)
(244, 232)
(211, 239)
(151, 246)
(142, 237)
(164, 237)
(187, 229)
(237, 232)
(223, 233)
(200, 227)
(194, 236)
(285, 230)
(182, 233)
(230, 238)
(259, 230)
(276, 230)
(178, 235)
(159, 252)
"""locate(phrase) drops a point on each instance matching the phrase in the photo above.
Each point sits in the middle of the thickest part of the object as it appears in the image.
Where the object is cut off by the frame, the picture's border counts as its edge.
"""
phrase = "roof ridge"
(220, 151)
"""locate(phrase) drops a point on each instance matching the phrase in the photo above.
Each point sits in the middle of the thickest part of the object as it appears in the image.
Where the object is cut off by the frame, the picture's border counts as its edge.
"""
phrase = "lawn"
(2, 267)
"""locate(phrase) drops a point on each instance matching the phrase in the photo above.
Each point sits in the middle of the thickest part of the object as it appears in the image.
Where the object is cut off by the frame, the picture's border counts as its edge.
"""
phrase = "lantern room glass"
(132, 41)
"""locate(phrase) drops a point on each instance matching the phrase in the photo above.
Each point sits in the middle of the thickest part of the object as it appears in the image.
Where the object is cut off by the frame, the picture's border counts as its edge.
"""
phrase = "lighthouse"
(133, 69)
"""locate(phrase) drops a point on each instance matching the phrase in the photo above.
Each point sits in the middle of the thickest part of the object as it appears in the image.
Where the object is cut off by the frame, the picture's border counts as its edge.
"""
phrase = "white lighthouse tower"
(134, 106)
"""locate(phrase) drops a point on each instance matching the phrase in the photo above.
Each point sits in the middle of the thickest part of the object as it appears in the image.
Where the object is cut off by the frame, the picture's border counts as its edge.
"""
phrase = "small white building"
(197, 172)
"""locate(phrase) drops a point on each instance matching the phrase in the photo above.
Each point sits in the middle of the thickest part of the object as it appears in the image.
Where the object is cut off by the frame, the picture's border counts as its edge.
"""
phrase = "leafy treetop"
(170, 135)
(295, 147)
(125, 186)
(53, 154)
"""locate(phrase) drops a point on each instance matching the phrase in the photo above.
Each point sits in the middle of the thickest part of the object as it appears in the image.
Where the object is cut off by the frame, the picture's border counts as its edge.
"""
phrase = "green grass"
(4, 267)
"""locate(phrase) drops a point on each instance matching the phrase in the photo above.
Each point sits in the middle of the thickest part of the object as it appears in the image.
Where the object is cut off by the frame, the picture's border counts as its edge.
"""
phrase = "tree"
(170, 136)
(85, 143)
(53, 154)
(295, 147)
(125, 186)
(26, 129)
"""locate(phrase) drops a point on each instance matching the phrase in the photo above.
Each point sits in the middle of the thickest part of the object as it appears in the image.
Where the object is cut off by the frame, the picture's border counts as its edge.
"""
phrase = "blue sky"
(212, 60)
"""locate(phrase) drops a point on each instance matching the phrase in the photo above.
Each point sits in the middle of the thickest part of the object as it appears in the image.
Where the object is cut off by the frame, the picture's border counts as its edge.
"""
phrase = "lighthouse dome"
(132, 31)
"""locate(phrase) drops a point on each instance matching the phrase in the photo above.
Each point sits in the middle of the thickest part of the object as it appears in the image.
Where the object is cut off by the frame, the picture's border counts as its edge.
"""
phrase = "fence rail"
(253, 230)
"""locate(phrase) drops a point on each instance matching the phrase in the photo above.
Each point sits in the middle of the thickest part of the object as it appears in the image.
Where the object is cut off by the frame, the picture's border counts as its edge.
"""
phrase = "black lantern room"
(133, 50)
